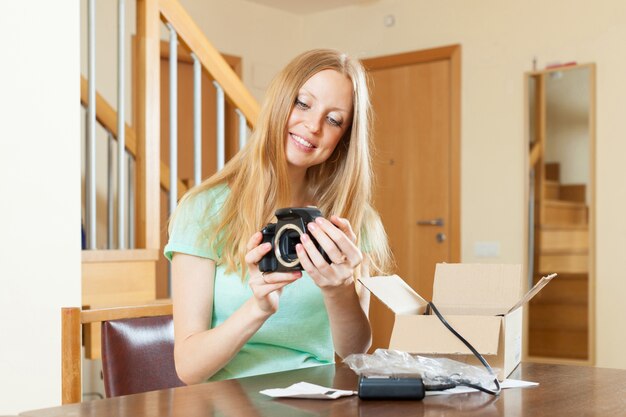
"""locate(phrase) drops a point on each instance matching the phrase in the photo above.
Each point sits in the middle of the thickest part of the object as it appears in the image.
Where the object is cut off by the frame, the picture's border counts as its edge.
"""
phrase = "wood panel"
(553, 171)
(559, 316)
(71, 384)
(574, 192)
(564, 212)
(566, 263)
(116, 283)
(552, 190)
(559, 343)
(114, 278)
(564, 289)
(146, 123)
(563, 239)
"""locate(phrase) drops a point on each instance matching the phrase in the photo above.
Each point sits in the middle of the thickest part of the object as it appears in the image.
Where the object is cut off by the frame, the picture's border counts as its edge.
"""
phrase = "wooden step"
(576, 193)
(118, 277)
(570, 344)
(112, 278)
(553, 171)
(552, 189)
(558, 316)
(556, 212)
(564, 289)
(564, 238)
(570, 262)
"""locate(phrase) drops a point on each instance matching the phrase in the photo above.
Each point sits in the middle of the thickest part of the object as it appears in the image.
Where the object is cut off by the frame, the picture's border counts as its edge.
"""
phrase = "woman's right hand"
(266, 287)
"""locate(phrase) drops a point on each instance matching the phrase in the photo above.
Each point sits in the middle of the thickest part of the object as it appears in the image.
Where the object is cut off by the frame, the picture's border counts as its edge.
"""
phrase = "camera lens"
(288, 242)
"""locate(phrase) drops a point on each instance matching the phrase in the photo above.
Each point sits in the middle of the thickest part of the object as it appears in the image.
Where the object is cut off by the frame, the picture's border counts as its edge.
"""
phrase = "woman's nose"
(313, 123)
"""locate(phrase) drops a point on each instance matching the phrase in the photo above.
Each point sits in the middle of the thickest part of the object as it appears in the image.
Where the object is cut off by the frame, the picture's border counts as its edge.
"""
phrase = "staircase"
(558, 315)
(128, 276)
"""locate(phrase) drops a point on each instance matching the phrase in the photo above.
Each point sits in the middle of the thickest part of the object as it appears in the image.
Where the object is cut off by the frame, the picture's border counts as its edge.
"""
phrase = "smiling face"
(320, 117)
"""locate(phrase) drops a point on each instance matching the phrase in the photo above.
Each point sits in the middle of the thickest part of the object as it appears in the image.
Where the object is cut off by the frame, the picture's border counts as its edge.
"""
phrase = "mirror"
(560, 196)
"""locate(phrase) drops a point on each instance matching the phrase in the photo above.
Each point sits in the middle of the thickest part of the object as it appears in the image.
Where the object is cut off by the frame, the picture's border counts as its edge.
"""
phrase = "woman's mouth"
(301, 142)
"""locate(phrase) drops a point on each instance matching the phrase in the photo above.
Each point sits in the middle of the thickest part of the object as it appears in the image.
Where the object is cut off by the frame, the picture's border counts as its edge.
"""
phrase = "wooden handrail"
(536, 152)
(107, 117)
(191, 36)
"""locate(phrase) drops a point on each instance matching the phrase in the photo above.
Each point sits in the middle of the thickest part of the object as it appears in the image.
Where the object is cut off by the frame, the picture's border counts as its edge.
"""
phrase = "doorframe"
(450, 53)
(591, 276)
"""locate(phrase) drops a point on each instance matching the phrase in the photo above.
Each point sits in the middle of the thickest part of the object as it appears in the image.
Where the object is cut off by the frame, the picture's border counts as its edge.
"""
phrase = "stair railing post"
(173, 118)
(197, 120)
(90, 168)
(147, 125)
(121, 127)
(220, 126)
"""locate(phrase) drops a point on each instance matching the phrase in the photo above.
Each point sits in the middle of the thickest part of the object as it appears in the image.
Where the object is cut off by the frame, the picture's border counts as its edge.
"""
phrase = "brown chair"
(137, 349)
(138, 355)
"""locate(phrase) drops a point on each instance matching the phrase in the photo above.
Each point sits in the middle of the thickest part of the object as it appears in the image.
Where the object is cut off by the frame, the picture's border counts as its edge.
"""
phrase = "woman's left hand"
(338, 240)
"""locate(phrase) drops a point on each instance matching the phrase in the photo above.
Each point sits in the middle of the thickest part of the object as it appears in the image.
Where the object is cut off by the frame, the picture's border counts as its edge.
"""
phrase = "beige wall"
(500, 40)
(40, 188)
(264, 37)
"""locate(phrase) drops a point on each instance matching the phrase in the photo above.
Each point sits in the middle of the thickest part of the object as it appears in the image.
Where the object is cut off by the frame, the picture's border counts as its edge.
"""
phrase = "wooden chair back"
(73, 322)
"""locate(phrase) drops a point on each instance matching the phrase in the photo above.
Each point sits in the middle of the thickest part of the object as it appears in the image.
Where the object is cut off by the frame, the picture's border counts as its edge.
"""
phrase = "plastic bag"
(433, 371)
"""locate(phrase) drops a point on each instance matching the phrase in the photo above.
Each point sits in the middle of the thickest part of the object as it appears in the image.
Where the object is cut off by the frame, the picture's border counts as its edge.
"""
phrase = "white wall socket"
(486, 249)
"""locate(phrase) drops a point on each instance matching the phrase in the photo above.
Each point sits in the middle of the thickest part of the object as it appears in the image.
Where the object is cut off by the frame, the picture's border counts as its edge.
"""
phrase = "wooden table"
(563, 391)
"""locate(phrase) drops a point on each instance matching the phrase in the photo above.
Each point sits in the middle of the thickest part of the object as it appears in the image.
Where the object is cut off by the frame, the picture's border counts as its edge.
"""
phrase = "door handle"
(431, 222)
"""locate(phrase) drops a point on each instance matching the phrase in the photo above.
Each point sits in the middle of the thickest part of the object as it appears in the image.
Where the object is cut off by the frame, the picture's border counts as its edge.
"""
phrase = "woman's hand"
(338, 240)
(266, 287)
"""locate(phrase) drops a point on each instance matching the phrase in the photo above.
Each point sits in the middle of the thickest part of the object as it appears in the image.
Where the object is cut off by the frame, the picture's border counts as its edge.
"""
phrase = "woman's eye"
(301, 104)
(334, 121)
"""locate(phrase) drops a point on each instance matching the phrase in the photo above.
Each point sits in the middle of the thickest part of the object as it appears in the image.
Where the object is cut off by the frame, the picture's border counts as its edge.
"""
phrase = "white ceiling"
(309, 6)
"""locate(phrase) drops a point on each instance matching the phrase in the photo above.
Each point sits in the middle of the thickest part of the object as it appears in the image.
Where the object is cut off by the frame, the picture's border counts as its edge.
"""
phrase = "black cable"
(474, 351)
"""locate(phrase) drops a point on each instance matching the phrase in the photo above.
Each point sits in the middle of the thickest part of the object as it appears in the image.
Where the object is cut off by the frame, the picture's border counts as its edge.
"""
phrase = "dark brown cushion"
(138, 355)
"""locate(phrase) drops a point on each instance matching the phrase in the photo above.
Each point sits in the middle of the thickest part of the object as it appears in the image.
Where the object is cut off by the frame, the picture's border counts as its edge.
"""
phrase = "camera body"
(284, 235)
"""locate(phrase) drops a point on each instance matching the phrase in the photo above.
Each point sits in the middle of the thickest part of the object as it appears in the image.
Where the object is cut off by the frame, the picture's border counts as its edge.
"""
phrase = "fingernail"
(299, 247)
(312, 226)
(267, 245)
(304, 238)
(319, 220)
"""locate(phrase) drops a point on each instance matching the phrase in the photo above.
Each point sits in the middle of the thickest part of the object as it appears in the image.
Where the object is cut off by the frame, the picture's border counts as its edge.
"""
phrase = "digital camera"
(284, 235)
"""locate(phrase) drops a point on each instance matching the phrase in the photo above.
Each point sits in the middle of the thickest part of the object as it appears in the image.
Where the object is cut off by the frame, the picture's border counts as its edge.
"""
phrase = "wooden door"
(185, 135)
(415, 98)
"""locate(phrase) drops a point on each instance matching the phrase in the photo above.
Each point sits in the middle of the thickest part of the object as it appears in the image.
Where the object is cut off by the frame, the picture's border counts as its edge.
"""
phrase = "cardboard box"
(483, 302)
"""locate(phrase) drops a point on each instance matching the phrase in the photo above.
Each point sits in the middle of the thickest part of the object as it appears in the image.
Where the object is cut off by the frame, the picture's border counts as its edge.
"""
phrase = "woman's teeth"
(302, 141)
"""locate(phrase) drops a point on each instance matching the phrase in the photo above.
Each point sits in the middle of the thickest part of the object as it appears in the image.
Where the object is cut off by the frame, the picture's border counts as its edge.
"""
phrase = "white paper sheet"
(307, 390)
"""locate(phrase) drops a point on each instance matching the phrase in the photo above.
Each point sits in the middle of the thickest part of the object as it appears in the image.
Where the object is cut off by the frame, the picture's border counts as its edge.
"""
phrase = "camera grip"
(268, 263)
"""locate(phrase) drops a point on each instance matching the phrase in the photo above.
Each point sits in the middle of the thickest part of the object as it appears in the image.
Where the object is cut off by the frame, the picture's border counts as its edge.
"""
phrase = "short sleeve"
(192, 224)
(364, 243)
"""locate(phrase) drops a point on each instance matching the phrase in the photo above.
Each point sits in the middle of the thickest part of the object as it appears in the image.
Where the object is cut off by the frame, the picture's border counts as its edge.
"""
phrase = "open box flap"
(396, 294)
(427, 335)
(477, 288)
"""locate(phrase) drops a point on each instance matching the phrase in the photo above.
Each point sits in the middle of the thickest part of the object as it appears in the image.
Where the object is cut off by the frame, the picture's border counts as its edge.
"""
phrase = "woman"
(310, 147)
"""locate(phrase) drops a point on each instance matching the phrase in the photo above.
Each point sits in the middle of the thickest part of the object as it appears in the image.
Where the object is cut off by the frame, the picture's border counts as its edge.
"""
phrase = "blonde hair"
(258, 178)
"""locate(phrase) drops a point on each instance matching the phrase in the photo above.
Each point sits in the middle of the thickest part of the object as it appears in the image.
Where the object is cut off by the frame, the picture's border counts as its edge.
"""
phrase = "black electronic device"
(391, 388)
(284, 235)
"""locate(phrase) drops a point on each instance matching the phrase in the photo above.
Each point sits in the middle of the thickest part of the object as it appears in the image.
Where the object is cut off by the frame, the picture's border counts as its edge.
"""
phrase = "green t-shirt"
(296, 336)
